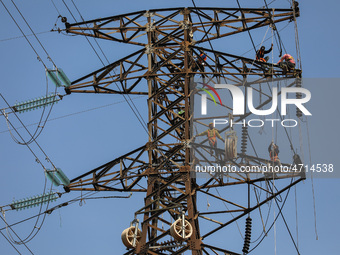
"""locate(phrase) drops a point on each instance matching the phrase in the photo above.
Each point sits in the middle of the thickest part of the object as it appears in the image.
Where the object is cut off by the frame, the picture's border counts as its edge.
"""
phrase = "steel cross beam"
(129, 79)
(169, 23)
(168, 63)
(169, 26)
(129, 168)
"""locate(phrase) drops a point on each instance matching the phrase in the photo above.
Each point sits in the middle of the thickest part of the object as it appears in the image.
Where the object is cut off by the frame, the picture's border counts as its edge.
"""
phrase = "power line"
(17, 236)
(265, 225)
(32, 234)
(48, 56)
(205, 31)
(47, 158)
(245, 23)
(285, 128)
(312, 181)
(33, 137)
(135, 111)
(38, 57)
(284, 220)
(36, 157)
(206, 34)
(36, 133)
(277, 216)
(22, 221)
(75, 113)
(29, 238)
(297, 42)
(96, 41)
(55, 7)
(18, 37)
(266, 39)
(9, 241)
(271, 2)
(87, 196)
(280, 43)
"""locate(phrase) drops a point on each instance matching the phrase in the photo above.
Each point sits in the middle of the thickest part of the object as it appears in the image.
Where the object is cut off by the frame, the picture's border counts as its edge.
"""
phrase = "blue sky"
(80, 142)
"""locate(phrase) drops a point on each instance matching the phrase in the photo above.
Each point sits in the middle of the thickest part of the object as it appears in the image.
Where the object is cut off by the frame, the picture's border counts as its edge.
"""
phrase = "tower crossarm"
(216, 23)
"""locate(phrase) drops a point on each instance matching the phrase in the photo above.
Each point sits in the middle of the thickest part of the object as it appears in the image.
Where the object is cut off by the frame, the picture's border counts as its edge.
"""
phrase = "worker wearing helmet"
(181, 115)
(273, 150)
(287, 63)
(261, 52)
(212, 133)
(200, 62)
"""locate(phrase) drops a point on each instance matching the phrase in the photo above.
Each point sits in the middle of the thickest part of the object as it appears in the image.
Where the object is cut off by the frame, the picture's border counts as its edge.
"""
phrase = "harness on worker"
(260, 56)
(290, 58)
(275, 157)
(202, 57)
(212, 139)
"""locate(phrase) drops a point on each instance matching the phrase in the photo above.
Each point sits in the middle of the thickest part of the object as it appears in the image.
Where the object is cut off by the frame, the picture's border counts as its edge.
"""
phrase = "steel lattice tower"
(166, 60)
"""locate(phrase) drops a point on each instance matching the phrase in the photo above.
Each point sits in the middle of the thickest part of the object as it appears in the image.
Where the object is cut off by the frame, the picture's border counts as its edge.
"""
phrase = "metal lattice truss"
(170, 25)
(163, 70)
(169, 45)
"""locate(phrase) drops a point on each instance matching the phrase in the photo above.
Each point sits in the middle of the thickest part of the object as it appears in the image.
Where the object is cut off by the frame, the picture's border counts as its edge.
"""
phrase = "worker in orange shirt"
(200, 62)
(273, 150)
(212, 133)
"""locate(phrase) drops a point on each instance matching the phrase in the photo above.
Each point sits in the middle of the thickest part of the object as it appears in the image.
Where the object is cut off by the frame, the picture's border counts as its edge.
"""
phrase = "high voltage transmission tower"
(164, 70)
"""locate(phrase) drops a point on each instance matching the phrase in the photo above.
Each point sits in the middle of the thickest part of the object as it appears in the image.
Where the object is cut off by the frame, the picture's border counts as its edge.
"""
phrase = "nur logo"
(204, 97)
(239, 99)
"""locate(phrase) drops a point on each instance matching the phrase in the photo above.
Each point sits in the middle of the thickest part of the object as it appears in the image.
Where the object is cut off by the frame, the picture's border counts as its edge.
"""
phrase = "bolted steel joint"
(150, 27)
(148, 14)
(185, 25)
(149, 49)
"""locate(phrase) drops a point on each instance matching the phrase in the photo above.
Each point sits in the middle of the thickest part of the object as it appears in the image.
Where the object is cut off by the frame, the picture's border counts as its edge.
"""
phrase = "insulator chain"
(244, 139)
(298, 96)
(247, 236)
(165, 246)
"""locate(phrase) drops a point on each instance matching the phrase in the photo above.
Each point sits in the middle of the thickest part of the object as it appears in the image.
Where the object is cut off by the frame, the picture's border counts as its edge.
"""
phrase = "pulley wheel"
(128, 235)
(176, 230)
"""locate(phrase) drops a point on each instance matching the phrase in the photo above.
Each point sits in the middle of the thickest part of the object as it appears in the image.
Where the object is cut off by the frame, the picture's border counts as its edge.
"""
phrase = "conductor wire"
(42, 46)
(38, 57)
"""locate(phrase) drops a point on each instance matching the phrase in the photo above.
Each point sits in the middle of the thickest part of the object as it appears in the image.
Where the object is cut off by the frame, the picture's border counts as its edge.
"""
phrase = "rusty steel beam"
(128, 28)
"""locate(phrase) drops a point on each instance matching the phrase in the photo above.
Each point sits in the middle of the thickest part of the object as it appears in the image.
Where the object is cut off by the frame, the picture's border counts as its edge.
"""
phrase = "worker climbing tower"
(164, 69)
